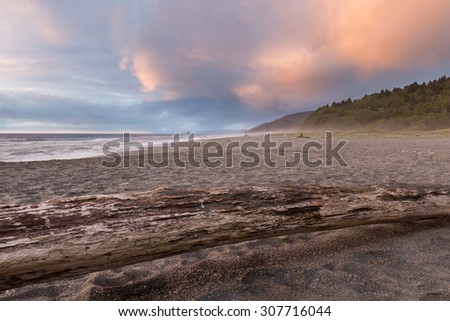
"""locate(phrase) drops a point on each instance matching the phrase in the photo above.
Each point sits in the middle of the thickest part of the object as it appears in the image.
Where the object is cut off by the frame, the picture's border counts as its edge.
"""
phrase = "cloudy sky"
(168, 66)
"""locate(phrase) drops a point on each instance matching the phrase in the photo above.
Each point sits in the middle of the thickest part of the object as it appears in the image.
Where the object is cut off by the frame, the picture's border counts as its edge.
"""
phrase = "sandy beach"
(396, 262)
(371, 161)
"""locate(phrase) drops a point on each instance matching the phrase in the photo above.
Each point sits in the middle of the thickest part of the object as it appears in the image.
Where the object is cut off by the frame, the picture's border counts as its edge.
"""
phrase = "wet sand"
(396, 262)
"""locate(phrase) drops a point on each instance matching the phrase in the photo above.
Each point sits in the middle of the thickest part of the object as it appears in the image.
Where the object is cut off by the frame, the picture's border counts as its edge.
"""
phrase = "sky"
(174, 66)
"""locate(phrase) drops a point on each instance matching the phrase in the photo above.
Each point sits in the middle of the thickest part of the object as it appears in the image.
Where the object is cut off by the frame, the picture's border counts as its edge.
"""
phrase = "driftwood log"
(73, 236)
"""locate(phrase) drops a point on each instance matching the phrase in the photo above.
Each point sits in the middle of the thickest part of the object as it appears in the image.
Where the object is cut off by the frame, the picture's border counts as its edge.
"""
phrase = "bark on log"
(73, 236)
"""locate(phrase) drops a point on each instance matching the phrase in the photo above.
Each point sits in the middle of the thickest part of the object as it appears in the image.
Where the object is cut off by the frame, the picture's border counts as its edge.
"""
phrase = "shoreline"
(84, 147)
(308, 134)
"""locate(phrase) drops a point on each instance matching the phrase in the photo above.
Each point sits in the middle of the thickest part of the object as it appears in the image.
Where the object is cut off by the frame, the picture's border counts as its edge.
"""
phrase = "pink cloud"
(383, 34)
(143, 70)
(367, 36)
(30, 18)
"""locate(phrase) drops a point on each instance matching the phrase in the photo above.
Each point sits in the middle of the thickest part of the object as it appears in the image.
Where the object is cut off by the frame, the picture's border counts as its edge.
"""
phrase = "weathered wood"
(72, 236)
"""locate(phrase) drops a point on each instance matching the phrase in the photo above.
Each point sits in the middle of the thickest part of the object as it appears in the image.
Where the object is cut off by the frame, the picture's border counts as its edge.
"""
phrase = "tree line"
(423, 106)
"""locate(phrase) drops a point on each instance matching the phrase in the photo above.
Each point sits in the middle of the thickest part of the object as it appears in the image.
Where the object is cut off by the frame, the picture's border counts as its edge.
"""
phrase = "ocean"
(18, 147)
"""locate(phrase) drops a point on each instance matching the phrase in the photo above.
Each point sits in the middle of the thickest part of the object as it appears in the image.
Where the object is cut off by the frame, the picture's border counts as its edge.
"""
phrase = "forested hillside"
(416, 106)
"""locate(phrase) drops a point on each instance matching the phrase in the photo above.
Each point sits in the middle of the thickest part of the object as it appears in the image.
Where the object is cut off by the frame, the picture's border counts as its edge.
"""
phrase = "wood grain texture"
(73, 236)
